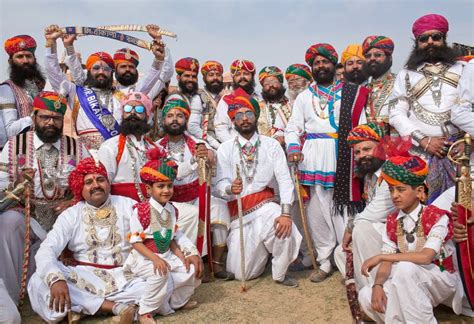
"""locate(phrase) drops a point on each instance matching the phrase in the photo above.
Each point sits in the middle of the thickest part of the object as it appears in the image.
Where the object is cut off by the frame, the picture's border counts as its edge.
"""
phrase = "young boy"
(161, 253)
(416, 270)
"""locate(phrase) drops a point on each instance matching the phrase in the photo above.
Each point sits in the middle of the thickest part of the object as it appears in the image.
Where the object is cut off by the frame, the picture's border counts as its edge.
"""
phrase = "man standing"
(18, 92)
(422, 98)
(353, 61)
(47, 157)
(299, 78)
(267, 226)
(243, 76)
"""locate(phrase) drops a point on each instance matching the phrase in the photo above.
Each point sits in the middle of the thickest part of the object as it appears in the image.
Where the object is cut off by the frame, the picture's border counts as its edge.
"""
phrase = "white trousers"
(412, 292)
(8, 311)
(259, 242)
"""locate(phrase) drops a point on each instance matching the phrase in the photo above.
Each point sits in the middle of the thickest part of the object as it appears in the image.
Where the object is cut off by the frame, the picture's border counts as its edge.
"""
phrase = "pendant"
(249, 158)
(323, 102)
(49, 184)
(410, 238)
(102, 213)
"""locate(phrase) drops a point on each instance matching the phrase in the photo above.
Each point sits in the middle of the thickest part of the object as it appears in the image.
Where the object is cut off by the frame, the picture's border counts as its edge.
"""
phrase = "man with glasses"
(422, 98)
(299, 78)
(378, 52)
(47, 157)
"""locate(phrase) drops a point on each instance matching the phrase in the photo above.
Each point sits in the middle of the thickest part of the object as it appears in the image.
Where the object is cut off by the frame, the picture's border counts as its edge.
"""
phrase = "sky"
(267, 32)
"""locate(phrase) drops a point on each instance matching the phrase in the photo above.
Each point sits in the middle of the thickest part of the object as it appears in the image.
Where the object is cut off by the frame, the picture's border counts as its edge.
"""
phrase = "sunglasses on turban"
(104, 68)
(436, 37)
(240, 115)
(139, 109)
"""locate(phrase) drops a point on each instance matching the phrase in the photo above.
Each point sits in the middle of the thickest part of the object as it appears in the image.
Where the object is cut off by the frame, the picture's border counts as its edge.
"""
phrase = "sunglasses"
(46, 118)
(105, 68)
(435, 37)
(139, 109)
(240, 115)
(375, 55)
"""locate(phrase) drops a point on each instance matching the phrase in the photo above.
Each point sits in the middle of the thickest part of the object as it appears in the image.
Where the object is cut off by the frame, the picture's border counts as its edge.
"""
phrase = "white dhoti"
(8, 311)
(412, 292)
(162, 294)
(259, 242)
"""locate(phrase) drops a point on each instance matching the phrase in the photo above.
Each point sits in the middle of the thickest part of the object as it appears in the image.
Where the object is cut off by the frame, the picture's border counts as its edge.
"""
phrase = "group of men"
(334, 134)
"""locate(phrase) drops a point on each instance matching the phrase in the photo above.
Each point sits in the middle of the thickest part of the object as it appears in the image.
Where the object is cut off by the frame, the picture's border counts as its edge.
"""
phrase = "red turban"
(99, 56)
(187, 64)
(126, 55)
(239, 65)
(20, 43)
(430, 22)
(321, 49)
(85, 167)
(211, 66)
(240, 99)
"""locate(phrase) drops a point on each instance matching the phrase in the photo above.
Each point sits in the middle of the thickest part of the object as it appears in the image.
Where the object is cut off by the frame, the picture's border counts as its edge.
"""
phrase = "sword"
(241, 229)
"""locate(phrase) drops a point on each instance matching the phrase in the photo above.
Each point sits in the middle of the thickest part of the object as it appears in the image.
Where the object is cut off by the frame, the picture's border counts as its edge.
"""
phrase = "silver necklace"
(176, 149)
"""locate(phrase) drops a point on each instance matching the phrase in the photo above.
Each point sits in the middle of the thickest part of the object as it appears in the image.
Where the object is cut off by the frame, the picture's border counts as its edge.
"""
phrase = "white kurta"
(259, 232)
(77, 228)
(8, 311)
(462, 113)
(165, 293)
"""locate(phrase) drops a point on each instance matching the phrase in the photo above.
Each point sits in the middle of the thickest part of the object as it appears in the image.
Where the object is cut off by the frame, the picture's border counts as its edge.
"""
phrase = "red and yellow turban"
(175, 103)
(409, 170)
(85, 167)
(321, 49)
(365, 132)
(270, 71)
(20, 43)
(240, 99)
(212, 66)
(126, 55)
(141, 97)
(52, 101)
(158, 168)
(430, 22)
(99, 56)
(301, 70)
(351, 51)
(239, 65)
(381, 42)
(189, 64)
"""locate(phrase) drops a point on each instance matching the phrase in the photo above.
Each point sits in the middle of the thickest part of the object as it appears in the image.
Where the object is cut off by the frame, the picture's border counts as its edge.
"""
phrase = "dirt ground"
(266, 302)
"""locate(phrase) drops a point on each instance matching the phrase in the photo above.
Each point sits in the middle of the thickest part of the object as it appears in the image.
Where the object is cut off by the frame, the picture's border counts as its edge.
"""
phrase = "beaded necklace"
(248, 158)
(157, 223)
(403, 236)
(324, 100)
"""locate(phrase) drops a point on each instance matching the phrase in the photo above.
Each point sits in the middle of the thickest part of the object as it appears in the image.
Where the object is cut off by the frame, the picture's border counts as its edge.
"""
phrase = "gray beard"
(292, 94)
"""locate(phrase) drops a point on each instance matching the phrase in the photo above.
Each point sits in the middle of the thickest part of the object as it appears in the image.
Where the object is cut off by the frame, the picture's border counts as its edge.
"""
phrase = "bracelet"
(286, 209)
(228, 190)
(429, 141)
(417, 136)
(286, 215)
(376, 284)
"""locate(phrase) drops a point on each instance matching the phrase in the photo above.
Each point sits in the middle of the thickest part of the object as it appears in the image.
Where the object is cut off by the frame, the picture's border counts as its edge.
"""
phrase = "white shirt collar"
(253, 140)
(37, 142)
(159, 207)
(413, 215)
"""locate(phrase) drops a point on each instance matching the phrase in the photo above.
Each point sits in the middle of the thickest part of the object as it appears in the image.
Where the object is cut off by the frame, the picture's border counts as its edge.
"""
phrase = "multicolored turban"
(138, 96)
(381, 42)
(351, 51)
(175, 103)
(430, 22)
(124, 55)
(212, 66)
(270, 71)
(85, 167)
(158, 168)
(321, 49)
(189, 64)
(240, 99)
(299, 70)
(99, 56)
(20, 43)
(239, 65)
(409, 170)
(52, 101)
(365, 132)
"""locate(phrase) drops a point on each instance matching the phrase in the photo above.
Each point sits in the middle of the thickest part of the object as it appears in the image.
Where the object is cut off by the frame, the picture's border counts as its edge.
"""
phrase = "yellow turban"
(352, 50)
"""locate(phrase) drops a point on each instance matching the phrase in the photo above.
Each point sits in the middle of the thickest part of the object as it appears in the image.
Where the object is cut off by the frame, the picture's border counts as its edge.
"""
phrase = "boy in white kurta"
(161, 253)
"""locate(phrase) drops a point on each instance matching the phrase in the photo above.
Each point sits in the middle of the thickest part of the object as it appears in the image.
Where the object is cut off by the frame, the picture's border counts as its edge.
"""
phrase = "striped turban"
(125, 55)
(270, 71)
(351, 51)
(430, 22)
(240, 99)
(158, 168)
(20, 43)
(381, 42)
(85, 167)
(211, 66)
(301, 70)
(175, 103)
(99, 56)
(52, 101)
(409, 170)
(321, 49)
(187, 64)
(365, 132)
(239, 65)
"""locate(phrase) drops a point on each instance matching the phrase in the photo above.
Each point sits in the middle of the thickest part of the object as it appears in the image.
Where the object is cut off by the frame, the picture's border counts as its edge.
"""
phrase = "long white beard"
(292, 94)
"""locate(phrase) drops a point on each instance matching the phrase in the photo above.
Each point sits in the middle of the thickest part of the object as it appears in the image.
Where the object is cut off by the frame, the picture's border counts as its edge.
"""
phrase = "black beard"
(373, 165)
(277, 97)
(48, 137)
(103, 84)
(20, 73)
(376, 70)
(127, 79)
(214, 88)
(134, 126)
(174, 131)
(249, 87)
(326, 78)
(184, 89)
(356, 76)
(249, 131)
(431, 54)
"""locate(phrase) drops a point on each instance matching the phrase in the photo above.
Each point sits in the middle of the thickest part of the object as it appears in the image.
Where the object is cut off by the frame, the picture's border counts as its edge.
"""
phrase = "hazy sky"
(266, 32)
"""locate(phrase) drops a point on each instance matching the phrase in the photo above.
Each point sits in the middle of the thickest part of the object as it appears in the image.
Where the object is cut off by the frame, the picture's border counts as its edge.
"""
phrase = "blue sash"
(100, 116)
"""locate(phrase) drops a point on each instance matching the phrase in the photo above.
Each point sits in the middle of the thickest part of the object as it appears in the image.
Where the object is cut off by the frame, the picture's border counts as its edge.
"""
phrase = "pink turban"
(430, 22)
(141, 97)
